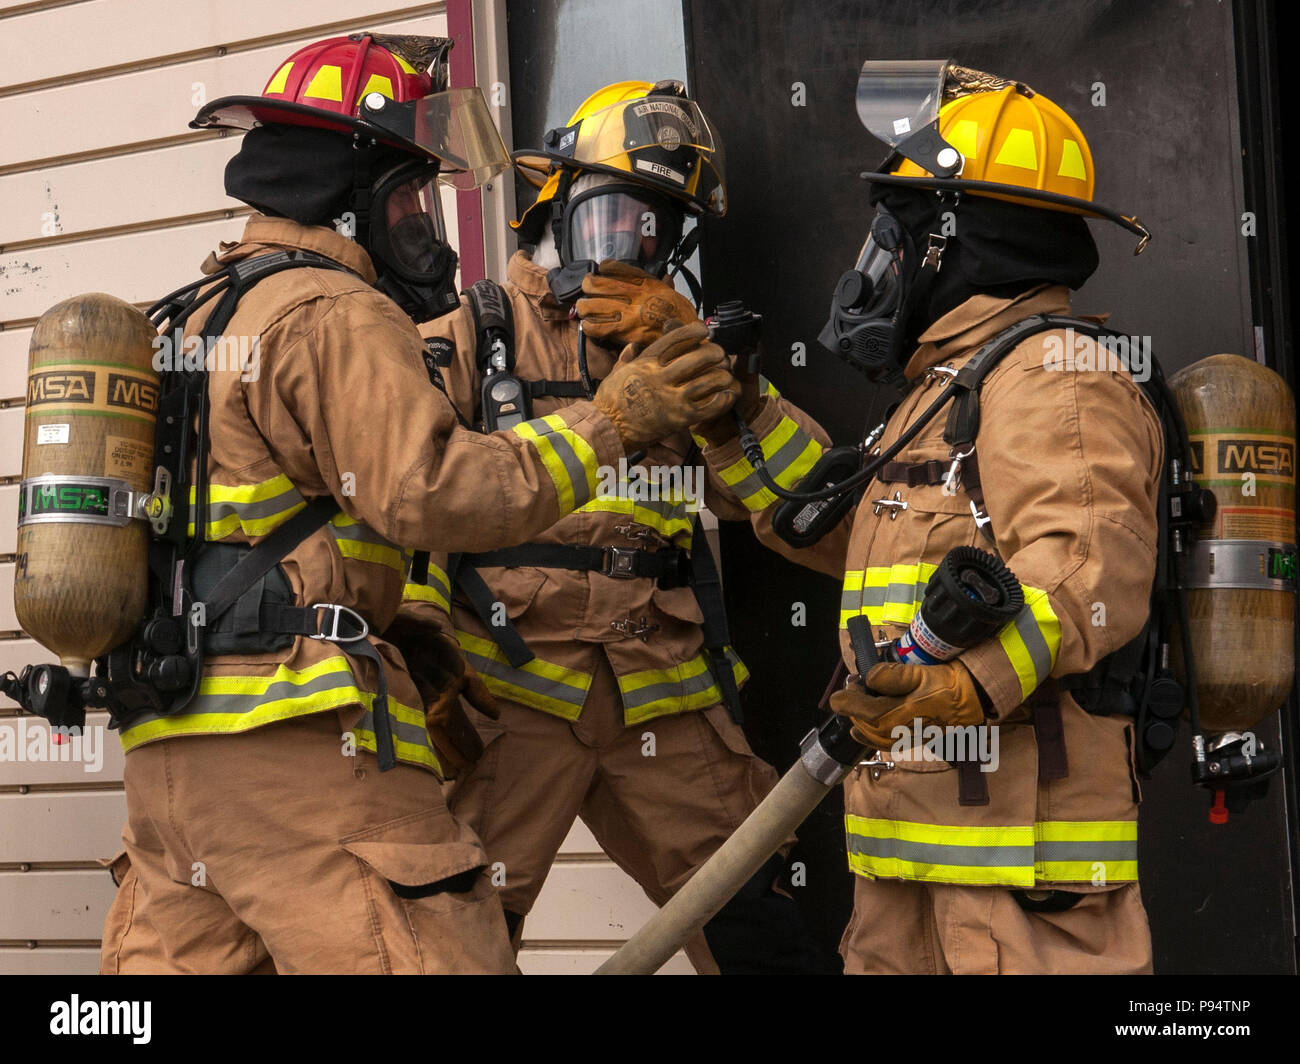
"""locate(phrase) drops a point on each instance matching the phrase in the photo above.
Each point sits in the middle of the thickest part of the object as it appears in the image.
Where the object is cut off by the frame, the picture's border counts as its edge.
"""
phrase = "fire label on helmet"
(659, 170)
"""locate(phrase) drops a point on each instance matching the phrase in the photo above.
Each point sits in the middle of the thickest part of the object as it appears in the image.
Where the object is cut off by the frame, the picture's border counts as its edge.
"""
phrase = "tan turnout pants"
(658, 816)
(275, 848)
(902, 927)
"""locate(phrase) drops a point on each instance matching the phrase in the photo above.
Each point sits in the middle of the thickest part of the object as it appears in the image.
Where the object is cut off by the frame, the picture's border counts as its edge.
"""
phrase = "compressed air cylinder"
(92, 400)
(1242, 425)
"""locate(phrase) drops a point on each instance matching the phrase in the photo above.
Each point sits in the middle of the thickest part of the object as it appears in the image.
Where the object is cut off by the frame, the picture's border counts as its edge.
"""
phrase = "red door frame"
(469, 205)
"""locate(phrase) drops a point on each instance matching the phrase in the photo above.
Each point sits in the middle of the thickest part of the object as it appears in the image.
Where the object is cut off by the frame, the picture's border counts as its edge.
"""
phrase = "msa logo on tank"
(132, 392)
(1281, 564)
(53, 498)
(60, 386)
(81, 499)
(110, 390)
(1264, 454)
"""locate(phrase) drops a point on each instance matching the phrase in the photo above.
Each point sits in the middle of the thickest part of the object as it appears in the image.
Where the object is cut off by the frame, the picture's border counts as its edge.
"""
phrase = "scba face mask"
(407, 242)
(614, 221)
(874, 301)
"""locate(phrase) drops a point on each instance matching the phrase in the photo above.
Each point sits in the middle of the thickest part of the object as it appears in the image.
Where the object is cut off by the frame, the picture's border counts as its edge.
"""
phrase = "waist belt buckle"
(336, 613)
(620, 563)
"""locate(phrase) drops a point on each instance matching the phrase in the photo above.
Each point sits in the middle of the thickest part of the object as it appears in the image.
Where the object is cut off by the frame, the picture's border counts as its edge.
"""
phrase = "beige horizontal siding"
(102, 35)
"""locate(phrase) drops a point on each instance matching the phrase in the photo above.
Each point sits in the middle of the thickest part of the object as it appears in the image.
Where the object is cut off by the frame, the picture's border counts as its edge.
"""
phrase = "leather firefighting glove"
(679, 380)
(624, 305)
(443, 677)
(721, 430)
(897, 695)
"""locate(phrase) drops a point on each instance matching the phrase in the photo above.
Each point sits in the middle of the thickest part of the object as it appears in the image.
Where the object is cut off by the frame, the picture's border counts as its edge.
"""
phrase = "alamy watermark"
(951, 743)
(25, 740)
(1107, 353)
(177, 353)
(656, 483)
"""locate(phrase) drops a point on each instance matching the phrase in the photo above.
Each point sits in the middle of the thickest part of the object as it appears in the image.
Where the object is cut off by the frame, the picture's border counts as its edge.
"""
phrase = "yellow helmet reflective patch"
(377, 83)
(964, 136)
(281, 78)
(403, 63)
(326, 84)
(1072, 162)
(1018, 150)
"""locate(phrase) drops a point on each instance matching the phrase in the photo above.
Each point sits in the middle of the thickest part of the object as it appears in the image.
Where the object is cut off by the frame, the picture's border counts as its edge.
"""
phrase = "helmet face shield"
(621, 222)
(454, 127)
(897, 97)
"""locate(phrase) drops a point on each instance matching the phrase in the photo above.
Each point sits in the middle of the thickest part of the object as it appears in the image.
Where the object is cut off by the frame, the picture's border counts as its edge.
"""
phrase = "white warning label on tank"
(52, 434)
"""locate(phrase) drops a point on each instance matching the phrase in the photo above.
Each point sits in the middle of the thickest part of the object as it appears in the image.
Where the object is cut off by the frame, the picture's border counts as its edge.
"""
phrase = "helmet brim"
(1018, 194)
(248, 112)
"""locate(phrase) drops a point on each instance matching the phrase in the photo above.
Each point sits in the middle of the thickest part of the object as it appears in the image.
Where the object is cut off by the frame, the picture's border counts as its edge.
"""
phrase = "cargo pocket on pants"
(432, 906)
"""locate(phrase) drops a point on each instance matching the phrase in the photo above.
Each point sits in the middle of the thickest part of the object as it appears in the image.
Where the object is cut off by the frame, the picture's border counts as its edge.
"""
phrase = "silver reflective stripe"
(248, 512)
(942, 854)
(413, 734)
(673, 689)
(244, 703)
(1039, 652)
(1105, 850)
(556, 690)
(572, 463)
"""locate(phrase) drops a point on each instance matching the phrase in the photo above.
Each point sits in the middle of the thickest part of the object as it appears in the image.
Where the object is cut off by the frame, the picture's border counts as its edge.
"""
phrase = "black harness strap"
(264, 557)
(964, 416)
(668, 566)
(462, 574)
(717, 636)
(559, 389)
(913, 474)
(271, 550)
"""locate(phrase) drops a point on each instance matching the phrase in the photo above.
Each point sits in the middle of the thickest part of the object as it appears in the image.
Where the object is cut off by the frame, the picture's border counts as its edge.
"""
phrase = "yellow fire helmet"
(954, 129)
(650, 134)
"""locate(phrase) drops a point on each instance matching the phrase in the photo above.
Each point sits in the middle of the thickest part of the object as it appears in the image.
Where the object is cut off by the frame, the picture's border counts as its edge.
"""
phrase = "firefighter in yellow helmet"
(604, 640)
(286, 813)
(1017, 851)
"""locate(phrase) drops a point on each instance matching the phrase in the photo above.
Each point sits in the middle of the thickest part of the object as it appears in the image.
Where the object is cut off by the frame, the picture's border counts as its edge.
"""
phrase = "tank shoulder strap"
(494, 324)
(964, 415)
(494, 332)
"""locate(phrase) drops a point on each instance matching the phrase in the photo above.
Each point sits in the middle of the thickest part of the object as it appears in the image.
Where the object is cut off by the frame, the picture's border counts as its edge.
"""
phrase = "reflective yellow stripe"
(551, 688)
(885, 594)
(765, 386)
(362, 543)
(933, 853)
(568, 459)
(228, 705)
(1033, 640)
(789, 453)
(1086, 851)
(666, 518)
(1017, 856)
(436, 589)
(661, 692)
(253, 509)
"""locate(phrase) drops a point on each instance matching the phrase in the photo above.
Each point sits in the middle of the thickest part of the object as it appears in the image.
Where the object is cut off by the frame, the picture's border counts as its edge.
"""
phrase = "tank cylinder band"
(1243, 563)
(62, 499)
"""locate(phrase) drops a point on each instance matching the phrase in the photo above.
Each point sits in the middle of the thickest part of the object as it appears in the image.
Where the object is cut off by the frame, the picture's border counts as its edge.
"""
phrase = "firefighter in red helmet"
(288, 814)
